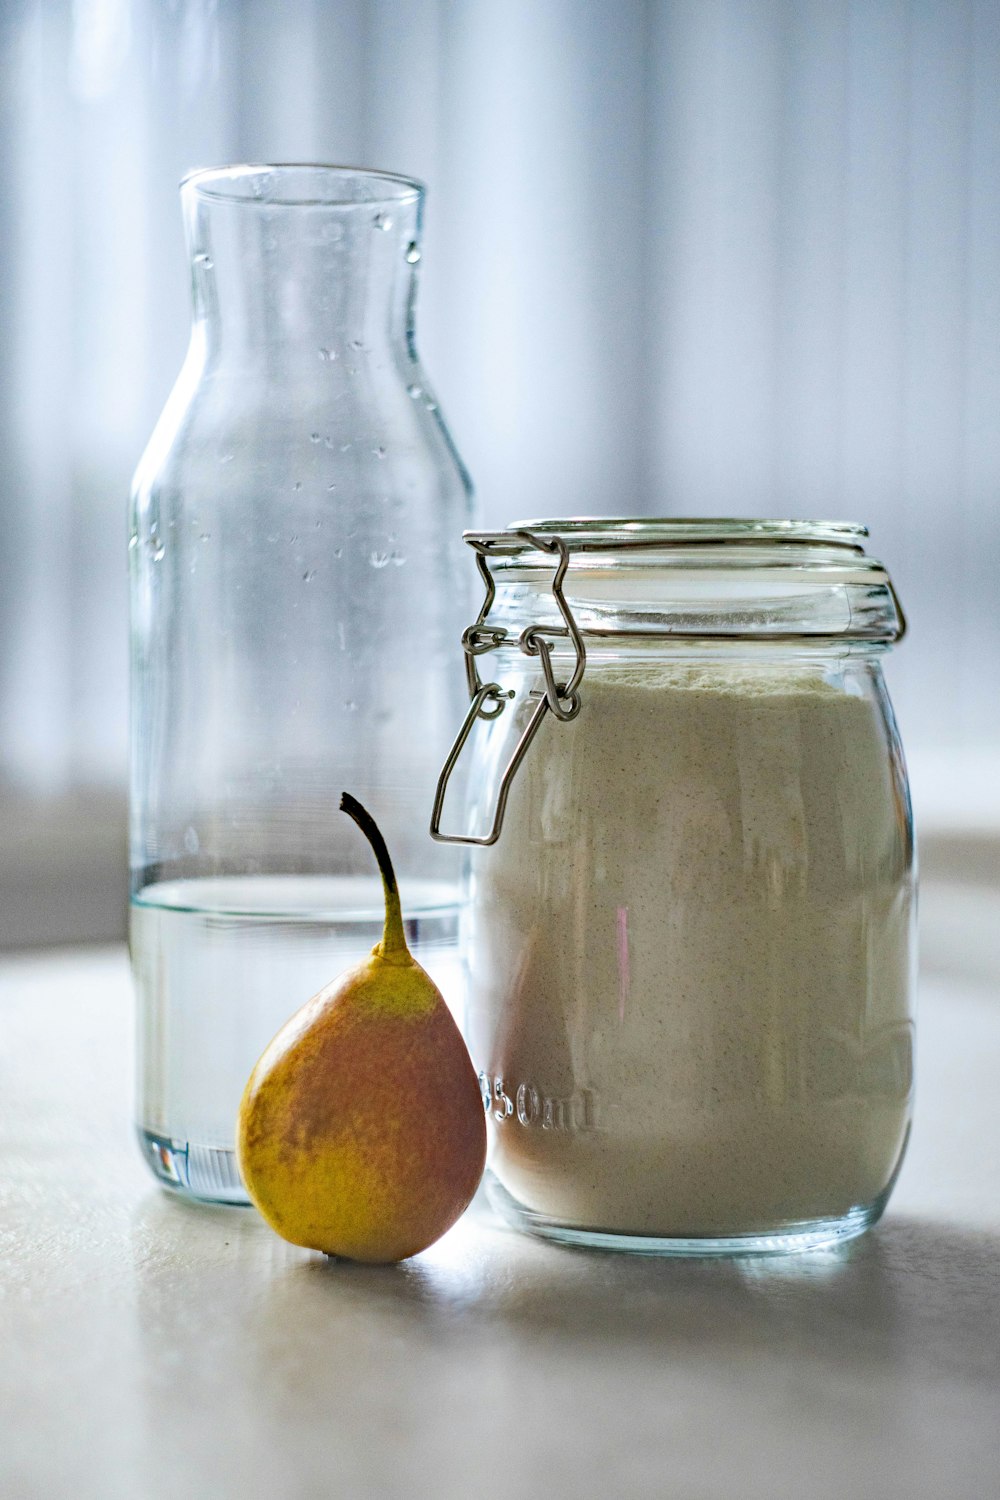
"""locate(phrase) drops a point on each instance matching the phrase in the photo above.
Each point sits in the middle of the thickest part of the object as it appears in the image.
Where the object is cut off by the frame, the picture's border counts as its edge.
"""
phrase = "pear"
(361, 1130)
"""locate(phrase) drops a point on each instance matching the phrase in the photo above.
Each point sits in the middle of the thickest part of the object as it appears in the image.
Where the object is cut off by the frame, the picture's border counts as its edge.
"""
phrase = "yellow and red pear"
(361, 1130)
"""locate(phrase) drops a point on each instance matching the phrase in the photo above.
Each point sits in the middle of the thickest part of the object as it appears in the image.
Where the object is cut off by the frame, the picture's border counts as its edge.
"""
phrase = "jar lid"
(691, 577)
(613, 533)
(557, 590)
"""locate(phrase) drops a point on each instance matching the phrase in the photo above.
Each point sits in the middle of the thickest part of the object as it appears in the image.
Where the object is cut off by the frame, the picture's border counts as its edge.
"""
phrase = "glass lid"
(600, 533)
(691, 577)
(565, 593)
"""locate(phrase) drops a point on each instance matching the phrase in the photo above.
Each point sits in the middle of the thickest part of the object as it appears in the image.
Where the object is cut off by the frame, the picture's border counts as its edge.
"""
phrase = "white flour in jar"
(691, 956)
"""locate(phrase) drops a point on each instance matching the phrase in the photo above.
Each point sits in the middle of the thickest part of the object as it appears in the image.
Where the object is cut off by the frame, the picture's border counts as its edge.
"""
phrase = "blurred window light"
(101, 39)
(728, 258)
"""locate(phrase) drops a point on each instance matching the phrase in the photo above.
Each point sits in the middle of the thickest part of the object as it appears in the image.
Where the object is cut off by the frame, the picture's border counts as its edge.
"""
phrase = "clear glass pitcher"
(296, 587)
(691, 948)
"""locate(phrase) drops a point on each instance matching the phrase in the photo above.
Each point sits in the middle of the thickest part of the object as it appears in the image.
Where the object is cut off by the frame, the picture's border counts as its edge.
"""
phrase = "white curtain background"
(683, 257)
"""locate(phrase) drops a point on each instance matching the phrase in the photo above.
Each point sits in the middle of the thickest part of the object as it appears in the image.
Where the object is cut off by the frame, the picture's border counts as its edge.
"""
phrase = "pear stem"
(393, 935)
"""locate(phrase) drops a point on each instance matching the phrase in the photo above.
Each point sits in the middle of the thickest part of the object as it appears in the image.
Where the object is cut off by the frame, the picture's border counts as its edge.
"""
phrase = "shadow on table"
(911, 1295)
(931, 1291)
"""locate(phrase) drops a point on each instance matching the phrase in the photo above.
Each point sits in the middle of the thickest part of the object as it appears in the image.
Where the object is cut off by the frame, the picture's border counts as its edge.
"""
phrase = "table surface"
(154, 1351)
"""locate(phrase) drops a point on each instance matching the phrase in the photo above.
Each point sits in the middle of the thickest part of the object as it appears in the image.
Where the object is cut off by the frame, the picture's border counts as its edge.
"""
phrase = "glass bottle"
(691, 923)
(295, 584)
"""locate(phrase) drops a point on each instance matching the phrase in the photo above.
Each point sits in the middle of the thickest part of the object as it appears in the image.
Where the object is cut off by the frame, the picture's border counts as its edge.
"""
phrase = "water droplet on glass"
(338, 552)
(398, 559)
(158, 549)
(379, 452)
(357, 344)
(206, 536)
(412, 253)
(205, 262)
(297, 485)
(319, 525)
(328, 442)
(431, 404)
(293, 539)
(330, 487)
(378, 559)
(133, 542)
(191, 841)
(416, 391)
(344, 447)
(314, 437)
(226, 458)
(382, 221)
(350, 705)
(327, 355)
(309, 575)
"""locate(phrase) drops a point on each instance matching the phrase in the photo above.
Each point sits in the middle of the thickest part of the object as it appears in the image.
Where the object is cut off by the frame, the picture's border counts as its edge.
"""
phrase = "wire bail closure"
(489, 699)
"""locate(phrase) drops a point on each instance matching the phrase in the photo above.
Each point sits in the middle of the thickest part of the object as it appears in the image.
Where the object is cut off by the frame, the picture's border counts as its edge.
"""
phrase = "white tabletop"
(155, 1351)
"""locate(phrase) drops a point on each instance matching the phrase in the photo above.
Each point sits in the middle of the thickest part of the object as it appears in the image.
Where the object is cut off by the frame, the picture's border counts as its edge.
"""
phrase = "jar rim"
(303, 184)
(686, 578)
(614, 533)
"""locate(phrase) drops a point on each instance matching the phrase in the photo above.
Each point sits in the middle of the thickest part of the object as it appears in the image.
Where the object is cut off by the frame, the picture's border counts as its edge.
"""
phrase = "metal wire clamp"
(489, 699)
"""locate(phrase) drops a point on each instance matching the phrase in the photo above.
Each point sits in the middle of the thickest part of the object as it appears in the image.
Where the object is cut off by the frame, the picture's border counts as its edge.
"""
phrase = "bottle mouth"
(302, 185)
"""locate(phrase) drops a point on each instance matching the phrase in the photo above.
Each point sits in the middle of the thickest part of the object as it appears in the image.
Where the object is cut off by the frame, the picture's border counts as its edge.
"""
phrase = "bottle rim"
(302, 185)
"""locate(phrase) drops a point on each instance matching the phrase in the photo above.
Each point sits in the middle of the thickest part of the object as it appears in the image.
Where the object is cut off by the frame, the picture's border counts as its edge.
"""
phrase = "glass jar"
(297, 579)
(691, 923)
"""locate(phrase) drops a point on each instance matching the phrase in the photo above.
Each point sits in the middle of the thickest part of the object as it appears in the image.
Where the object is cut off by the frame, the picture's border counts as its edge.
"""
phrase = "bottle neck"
(281, 285)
